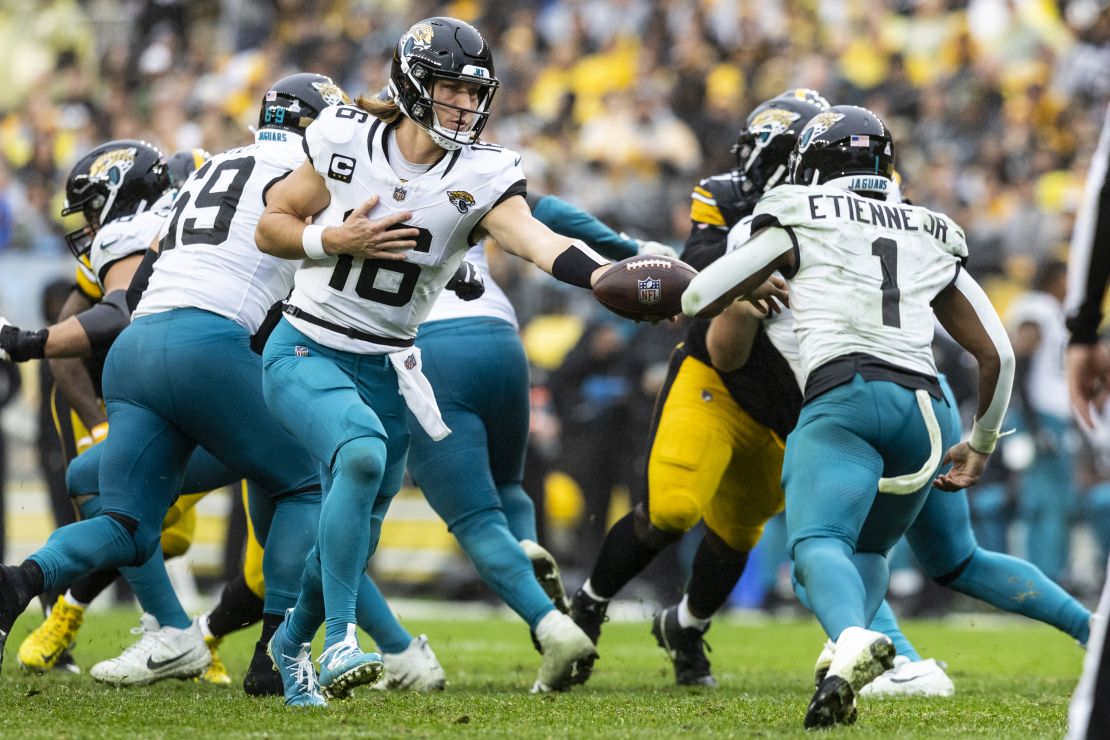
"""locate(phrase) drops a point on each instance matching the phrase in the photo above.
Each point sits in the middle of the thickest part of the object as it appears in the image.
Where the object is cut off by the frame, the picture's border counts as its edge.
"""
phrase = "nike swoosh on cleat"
(156, 664)
(50, 657)
(906, 680)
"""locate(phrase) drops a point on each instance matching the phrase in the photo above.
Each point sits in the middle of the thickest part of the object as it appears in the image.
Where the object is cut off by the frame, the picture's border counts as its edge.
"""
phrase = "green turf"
(1013, 679)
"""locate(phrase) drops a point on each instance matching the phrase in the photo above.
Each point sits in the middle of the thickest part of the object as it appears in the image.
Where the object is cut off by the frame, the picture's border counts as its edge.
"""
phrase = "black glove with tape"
(467, 282)
(18, 345)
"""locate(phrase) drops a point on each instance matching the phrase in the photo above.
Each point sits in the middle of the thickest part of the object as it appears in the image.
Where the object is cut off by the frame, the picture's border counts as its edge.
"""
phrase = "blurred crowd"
(620, 106)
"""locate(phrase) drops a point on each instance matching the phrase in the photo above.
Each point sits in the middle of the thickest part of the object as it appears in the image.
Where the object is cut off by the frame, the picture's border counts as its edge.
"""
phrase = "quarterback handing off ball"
(645, 287)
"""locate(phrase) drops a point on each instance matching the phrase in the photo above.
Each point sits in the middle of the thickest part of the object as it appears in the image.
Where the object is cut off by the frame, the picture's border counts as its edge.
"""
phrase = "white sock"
(202, 622)
(548, 623)
(686, 619)
(72, 601)
(589, 589)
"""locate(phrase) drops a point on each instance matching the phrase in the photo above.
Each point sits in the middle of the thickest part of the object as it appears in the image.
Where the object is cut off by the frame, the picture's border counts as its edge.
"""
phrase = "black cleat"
(14, 598)
(66, 664)
(686, 647)
(589, 614)
(833, 704)
(262, 678)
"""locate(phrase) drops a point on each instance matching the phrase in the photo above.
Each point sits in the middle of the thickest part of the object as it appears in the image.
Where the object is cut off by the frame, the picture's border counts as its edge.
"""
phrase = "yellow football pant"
(711, 460)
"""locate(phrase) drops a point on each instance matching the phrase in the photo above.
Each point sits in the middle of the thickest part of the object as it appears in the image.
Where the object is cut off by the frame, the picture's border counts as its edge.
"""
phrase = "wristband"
(982, 440)
(576, 264)
(312, 240)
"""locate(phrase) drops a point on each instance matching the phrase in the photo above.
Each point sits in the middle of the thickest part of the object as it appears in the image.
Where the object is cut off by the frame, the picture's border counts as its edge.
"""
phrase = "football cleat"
(686, 647)
(415, 668)
(14, 598)
(344, 666)
(860, 656)
(216, 673)
(40, 650)
(262, 678)
(911, 678)
(66, 663)
(564, 646)
(547, 573)
(824, 660)
(589, 614)
(161, 652)
(294, 664)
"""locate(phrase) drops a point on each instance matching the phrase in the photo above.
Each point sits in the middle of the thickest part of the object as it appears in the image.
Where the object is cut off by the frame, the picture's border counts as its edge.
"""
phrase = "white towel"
(417, 391)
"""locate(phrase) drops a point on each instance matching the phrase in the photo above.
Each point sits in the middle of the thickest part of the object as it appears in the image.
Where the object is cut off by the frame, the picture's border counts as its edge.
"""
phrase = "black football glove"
(467, 282)
(19, 346)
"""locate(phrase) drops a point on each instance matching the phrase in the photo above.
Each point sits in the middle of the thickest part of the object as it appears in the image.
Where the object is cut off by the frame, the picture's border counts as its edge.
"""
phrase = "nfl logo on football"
(651, 290)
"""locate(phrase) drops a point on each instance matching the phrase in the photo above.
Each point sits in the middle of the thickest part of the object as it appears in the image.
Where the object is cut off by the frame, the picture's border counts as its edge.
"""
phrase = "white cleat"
(563, 644)
(161, 652)
(547, 573)
(911, 678)
(415, 668)
(824, 660)
(860, 656)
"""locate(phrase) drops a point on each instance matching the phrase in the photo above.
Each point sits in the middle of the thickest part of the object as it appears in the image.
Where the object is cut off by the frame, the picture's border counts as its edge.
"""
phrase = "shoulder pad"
(720, 201)
(488, 158)
(339, 129)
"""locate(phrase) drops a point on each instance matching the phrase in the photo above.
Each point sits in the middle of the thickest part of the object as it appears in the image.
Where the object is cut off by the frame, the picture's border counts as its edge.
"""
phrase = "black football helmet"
(847, 147)
(764, 145)
(184, 163)
(442, 49)
(120, 178)
(295, 101)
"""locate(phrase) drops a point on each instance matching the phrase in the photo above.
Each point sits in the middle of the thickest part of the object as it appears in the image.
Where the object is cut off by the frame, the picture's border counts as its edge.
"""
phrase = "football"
(646, 287)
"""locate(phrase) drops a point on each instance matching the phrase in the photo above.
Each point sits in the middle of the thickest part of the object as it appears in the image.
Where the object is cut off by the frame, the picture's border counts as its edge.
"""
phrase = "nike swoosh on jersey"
(154, 665)
(105, 245)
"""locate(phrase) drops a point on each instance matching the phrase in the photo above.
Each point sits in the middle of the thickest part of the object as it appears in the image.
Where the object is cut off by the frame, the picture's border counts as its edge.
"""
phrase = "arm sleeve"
(991, 420)
(104, 321)
(716, 280)
(1089, 258)
(569, 220)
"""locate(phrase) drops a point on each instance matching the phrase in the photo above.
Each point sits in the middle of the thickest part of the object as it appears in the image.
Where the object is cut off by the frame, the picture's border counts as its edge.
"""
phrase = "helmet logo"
(820, 123)
(112, 166)
(772, 122)
(417, 37)
(331, 93)
(460, 199)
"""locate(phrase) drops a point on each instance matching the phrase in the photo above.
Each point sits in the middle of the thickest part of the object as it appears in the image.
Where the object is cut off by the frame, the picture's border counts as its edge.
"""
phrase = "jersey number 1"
(887, 252)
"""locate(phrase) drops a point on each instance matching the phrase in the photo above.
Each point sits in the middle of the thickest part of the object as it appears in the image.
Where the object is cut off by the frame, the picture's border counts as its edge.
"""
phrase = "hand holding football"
(645, 287)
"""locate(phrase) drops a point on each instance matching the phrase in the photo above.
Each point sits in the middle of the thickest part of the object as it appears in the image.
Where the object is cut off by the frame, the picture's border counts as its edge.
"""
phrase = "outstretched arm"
(967, 314)
(739, 273)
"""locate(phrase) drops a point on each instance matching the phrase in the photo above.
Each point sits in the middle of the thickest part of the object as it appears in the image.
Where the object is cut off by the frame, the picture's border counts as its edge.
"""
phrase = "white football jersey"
(208, 255)
(1048, 383)
(126, 236)
(390, 298)
(867, 272)
(493, 303)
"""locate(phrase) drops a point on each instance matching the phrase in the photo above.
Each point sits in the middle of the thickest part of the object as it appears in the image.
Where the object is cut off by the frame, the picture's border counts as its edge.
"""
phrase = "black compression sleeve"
(104, 321)
(576, 264)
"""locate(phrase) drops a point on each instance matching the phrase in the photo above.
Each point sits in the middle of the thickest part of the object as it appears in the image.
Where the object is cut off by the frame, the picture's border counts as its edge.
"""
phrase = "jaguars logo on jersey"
(460, 199)
(818, 125)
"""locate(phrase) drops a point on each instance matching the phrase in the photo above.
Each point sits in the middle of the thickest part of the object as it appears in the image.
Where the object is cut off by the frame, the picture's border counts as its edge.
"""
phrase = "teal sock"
(520, 512)
(886, 623)
(1018, 586)
(377, 619)
(502, 565)
(344, 537)
(77, 549)
(834, 588)
(308, 612)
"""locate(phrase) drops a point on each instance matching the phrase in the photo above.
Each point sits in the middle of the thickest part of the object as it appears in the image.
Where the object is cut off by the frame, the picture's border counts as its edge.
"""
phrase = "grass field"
(1013, 679)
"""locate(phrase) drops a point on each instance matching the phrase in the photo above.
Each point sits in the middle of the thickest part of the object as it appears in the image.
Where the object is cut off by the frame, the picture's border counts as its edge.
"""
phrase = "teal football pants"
(173, 381)
(473, 477)
(346, 410)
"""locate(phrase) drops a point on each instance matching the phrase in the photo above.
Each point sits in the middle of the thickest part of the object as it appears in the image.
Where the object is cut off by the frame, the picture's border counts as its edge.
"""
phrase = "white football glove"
(649, 247)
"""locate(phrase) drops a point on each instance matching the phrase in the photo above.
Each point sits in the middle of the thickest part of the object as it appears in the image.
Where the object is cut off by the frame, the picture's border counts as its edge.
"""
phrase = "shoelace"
(139, 646)
(336, 652)
(304, 675)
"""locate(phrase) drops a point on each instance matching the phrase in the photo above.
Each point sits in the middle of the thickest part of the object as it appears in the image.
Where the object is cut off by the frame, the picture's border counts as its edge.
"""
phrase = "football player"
(941, 536)
(206, 294)
(717, 438)
(864, 333)
(399, 191)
